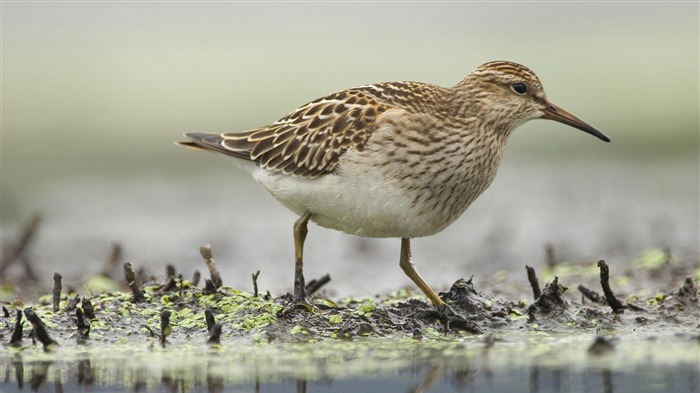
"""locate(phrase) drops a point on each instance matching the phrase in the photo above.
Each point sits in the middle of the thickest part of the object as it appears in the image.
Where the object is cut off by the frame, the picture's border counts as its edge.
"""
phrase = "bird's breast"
(406, 184)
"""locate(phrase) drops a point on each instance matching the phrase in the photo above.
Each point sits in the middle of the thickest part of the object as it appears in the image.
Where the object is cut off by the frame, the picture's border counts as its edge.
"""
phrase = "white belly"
(363, 206)
(374, 195)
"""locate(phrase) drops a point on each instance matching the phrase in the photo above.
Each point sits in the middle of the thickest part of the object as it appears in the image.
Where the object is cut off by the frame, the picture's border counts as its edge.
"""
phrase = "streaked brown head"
(513, 95)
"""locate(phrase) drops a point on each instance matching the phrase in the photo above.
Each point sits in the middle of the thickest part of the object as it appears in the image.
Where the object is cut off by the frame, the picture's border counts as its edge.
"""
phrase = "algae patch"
(177, 332)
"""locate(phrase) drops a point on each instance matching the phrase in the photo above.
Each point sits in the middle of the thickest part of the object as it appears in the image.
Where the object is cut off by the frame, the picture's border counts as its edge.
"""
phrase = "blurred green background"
(102, 88)
(95, 93)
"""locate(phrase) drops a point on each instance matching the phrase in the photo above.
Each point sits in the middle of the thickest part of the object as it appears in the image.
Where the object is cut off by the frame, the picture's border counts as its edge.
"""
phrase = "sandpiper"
(394, 159)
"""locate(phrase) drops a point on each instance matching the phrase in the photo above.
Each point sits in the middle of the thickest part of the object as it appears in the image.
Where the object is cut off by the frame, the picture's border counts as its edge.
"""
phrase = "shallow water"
(513, 363)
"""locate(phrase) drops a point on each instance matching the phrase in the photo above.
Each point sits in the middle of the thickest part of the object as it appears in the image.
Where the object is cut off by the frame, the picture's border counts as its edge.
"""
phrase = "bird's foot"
(451, 320)
(300, 304)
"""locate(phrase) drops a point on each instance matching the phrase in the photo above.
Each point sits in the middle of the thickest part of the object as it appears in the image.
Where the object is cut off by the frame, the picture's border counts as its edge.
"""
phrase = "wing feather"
(310, 141)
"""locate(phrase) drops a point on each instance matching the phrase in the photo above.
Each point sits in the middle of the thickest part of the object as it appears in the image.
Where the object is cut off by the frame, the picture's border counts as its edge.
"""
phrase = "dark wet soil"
(173, 309)
(651, 298)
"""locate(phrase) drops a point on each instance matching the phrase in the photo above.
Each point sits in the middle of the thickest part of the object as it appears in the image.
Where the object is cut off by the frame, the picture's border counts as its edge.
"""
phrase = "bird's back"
(309, 141)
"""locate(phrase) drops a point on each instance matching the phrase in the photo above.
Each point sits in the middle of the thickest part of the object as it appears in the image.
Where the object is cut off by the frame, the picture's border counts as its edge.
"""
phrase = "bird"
(390, 160)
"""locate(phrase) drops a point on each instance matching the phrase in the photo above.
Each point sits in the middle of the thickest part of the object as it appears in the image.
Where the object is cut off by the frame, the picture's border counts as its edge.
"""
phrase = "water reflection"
(451, 372)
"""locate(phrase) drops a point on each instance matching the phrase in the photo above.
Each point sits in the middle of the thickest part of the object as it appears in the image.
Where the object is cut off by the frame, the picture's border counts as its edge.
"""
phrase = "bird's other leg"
(300, 232)
(407, 265)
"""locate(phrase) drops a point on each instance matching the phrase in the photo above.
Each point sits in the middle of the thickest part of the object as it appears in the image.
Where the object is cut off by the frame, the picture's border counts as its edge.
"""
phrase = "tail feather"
(190, 145)
(211, 142)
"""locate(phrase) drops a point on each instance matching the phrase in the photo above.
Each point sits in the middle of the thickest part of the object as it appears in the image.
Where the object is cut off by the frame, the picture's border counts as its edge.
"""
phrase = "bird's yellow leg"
(300, 232)
(407, 265)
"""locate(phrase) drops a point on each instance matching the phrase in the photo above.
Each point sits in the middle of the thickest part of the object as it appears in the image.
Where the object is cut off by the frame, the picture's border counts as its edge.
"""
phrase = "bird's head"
(511, 94)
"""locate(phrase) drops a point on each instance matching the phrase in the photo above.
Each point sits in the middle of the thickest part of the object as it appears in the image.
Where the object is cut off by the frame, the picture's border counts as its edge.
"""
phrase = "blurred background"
(94, 95)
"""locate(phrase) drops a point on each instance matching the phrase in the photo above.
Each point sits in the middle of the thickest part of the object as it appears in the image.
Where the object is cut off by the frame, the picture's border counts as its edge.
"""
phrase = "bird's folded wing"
(309, 141)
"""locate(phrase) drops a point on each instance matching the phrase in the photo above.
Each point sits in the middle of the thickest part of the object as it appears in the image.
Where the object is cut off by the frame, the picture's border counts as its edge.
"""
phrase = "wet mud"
(652, 297)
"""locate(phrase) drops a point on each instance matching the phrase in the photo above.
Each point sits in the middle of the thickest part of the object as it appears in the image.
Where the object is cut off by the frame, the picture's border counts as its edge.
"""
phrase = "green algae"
(100, 284)
(360, 337)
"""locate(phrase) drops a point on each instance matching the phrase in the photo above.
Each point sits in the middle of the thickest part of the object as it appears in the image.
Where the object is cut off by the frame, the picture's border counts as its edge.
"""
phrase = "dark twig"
(209, 317)
(56, 291)
(72, 304)
(205, 250)
(214, 335)
(549, 256)
(534, 282)
(688, 293)
(131, 282)
(168, 285)
(170, 282)
(16, 338)
(613, 302)
(590, 294)
(39, 329)
(114, 256)
(88, 309)
(142, 276)
(170, 271)
(5, 312)
(195, 278)
(165, 328)
(17, 252)
(209, 287)
(213, 328)
(314, 285)
(180, 284)
(255, 283)
(83, 326)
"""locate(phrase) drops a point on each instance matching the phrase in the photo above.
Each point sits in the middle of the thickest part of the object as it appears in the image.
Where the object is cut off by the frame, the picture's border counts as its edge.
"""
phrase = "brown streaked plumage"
(395, 159)
(310, 141)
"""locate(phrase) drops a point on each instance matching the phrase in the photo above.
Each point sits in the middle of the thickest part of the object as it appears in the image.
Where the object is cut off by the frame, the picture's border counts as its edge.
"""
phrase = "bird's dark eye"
(519, 88)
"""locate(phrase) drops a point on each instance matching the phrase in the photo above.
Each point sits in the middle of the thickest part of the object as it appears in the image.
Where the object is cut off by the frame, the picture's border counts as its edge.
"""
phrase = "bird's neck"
(475, 106)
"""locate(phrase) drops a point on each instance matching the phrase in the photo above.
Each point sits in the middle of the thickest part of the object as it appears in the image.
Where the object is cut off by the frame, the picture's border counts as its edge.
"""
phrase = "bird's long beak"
(556, 113)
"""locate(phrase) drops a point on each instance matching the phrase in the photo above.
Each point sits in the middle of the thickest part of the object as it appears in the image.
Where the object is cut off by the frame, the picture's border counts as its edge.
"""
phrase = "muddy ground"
(126, 327)
(602, 309)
